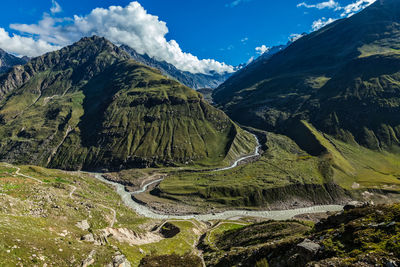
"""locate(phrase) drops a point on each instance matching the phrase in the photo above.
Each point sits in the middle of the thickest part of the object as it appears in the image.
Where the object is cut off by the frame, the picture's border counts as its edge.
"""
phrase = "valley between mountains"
(113, 158)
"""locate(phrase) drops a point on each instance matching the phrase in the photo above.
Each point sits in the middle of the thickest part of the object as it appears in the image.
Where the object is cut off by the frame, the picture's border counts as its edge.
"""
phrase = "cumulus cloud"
(262, 49)
(130, 25)
(345, 11)
(328, 4)
(236, 3)
(322, 22)
(55, 8)
(24, 45)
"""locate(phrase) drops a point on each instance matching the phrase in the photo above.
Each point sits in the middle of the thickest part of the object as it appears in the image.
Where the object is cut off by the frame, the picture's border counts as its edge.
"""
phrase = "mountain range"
(195, 81)
(90, 106)
(7, 61)
(327, 109)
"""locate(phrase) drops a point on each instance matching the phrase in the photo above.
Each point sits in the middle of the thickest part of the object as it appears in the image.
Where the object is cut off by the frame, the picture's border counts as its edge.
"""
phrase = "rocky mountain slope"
(89, 106)
(195, 81)
(58, 218)
(359, 236)
(344, 79)
(7, 61)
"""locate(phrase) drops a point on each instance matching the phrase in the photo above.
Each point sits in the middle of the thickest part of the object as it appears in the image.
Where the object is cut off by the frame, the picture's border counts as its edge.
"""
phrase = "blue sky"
(223, 30)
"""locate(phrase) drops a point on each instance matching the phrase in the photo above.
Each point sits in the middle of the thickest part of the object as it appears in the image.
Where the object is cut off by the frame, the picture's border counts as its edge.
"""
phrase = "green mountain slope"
(286, 176)
(344, 79)
(88, 106)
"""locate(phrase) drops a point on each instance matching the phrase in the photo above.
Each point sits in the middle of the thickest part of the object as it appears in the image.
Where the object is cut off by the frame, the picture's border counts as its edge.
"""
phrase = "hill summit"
(89, 106)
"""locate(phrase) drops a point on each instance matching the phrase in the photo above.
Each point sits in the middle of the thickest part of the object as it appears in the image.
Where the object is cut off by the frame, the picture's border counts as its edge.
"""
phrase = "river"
(232, 214)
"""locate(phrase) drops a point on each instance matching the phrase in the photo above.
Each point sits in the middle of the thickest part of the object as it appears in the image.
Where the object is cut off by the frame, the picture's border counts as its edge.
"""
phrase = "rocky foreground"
(361, 235)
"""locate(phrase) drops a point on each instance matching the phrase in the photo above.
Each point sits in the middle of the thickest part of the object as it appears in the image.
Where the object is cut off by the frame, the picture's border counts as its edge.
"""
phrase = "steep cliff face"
(88, 106)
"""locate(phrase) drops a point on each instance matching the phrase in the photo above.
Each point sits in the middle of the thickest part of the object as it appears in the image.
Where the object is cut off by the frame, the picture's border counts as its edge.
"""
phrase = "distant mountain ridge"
(90, 106)
(7, 61)
(195, 81)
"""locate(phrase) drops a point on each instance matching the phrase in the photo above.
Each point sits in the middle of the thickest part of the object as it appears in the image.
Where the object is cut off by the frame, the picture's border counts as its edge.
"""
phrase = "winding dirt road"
(114, 218)
(18, 172)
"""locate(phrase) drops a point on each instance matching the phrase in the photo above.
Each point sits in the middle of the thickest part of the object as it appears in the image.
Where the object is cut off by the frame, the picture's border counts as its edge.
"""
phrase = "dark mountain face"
(7, 61)
(244, 69)
(195, 81)
(267, 55)
(344, 79)
(89, 106)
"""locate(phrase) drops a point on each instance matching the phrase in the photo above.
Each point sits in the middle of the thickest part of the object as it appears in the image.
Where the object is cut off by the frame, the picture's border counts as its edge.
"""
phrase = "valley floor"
(58, 218)
(282, 177)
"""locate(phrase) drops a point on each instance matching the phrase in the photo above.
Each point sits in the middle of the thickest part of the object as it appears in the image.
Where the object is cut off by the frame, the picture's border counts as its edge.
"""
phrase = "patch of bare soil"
(130, 237)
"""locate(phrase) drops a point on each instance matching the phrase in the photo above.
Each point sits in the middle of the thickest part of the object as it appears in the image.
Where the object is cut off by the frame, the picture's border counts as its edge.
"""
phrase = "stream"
(226, 215)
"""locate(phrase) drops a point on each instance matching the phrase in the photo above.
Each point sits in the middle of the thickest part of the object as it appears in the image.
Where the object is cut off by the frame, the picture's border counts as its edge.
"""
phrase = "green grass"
(40, 235)
(370, 50)
(285, 165)
(373, 169)
(34, 216)
(181, 244)
(213, 236)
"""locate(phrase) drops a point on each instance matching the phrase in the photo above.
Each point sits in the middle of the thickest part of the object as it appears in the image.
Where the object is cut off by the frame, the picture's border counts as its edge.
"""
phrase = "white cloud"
(322, 22)
(262, 49)
(130, 25)
(24, 45)
(328, 4)
(295, 36)
(244, 40)
(55, 8)
(351, 9)
(236, 3)
(346, 11)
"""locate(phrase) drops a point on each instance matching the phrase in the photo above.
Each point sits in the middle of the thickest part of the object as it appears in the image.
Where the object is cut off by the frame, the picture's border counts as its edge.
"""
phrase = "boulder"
(84, 225)
(88, 238)
(391, 263)
(353, 204)
(119, 260)
(309, 247)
